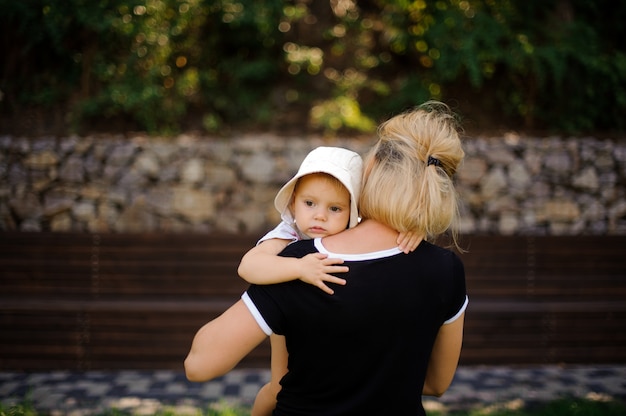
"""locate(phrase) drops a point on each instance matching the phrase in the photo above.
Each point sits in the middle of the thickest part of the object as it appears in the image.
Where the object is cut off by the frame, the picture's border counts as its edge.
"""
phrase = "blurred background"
(338, 66)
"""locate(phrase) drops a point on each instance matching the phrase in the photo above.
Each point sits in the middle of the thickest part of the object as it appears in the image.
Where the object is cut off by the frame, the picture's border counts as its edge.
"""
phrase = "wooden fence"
(84, 301)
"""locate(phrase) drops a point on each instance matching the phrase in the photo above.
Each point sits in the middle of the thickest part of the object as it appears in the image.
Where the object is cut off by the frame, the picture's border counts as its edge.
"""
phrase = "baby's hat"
(343, 164)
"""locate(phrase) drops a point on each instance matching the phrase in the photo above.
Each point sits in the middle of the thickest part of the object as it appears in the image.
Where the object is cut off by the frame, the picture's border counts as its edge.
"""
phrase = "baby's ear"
(291, 206)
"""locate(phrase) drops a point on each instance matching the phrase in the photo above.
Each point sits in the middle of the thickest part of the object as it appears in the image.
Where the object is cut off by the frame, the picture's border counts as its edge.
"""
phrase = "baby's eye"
(308, 203)
(335, 209)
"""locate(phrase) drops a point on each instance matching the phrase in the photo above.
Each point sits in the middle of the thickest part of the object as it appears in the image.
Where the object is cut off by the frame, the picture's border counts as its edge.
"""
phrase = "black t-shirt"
(365, 349)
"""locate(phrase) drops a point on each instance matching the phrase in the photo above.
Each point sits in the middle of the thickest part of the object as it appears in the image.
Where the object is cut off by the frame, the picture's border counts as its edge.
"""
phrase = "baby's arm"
(262, 265)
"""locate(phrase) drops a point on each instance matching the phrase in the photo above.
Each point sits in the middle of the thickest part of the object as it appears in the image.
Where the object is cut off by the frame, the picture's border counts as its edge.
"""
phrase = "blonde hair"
(401, 187)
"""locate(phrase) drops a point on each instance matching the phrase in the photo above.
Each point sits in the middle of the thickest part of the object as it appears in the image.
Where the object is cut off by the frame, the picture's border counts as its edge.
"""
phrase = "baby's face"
(321, 206)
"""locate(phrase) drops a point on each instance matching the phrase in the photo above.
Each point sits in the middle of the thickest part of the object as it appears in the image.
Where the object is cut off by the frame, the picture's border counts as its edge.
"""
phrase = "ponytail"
(407, 182)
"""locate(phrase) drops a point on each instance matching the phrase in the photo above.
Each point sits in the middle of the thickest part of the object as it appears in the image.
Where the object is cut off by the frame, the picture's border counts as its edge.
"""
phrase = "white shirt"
(284, 231)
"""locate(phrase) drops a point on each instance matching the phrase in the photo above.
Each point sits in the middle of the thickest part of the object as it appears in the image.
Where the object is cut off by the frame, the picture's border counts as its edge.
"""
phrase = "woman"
(395, 329)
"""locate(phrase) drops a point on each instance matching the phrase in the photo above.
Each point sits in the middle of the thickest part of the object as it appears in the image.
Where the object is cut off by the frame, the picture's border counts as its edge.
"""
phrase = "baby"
(320, 200)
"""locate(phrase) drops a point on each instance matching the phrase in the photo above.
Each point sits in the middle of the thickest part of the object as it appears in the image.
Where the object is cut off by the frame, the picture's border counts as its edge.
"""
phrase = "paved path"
(146, 392)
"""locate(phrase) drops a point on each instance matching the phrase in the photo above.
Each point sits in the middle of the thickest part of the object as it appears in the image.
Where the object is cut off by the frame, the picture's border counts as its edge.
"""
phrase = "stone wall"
(510, 184)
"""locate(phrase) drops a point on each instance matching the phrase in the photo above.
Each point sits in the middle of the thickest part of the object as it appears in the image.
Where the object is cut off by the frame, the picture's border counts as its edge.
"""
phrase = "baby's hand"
(316, 268)
(409, 241)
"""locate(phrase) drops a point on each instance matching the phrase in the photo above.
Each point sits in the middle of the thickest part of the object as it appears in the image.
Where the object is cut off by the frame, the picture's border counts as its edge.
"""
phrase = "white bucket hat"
(343, 164)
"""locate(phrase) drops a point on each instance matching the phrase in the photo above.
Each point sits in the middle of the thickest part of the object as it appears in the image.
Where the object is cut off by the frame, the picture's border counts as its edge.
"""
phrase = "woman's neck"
(368, 236)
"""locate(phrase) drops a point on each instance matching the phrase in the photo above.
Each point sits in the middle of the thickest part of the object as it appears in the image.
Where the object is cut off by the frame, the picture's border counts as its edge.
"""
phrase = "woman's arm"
(262, 265)
(220, 344)
(444, 358)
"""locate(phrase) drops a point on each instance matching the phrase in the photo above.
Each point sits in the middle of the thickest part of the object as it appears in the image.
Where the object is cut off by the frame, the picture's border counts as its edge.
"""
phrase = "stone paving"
(147, 392)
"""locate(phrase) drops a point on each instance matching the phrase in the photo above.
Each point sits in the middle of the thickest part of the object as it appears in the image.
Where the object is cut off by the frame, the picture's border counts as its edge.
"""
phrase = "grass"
(215, 409)
(562, 407)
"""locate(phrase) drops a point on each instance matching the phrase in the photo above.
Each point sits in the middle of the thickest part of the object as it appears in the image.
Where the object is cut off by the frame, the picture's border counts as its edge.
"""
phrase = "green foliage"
(340, 113)
(158, 65)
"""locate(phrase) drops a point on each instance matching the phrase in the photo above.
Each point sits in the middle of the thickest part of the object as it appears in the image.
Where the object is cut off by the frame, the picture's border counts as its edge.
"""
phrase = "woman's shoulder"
(299, 248)
(436, 247)
(436, 251)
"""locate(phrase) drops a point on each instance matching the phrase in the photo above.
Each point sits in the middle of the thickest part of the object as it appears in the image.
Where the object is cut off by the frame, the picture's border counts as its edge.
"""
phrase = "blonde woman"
(394, 330)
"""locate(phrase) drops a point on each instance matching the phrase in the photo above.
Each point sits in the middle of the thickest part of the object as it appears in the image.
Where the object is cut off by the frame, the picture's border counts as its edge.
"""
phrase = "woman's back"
(374, 334)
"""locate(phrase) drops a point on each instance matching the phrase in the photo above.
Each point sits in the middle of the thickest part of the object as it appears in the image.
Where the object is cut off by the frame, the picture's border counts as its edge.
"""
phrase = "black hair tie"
(433, 161)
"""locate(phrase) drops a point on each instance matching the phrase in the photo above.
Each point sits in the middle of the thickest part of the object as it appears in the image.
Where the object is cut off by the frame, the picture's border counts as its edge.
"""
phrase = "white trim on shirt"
(459, 313)
(256, 314)
(356, 257)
